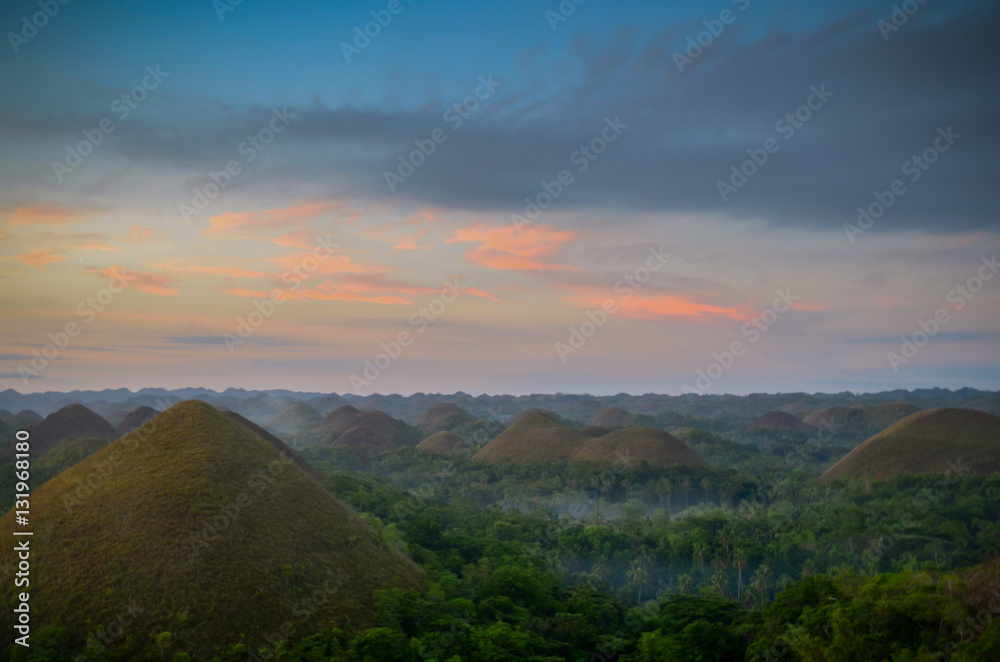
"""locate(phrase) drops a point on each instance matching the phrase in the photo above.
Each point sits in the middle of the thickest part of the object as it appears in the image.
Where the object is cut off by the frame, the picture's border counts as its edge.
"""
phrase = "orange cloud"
(506, 249)
(143, 281)
(44, 214)
(250, 225)
(228, 272)
(90, 241)
(363, 288)
(137, 234)
(652, 305)
(38, 259)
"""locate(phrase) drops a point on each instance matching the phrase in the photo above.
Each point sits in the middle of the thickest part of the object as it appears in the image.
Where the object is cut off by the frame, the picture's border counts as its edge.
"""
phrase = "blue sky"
(666, 180)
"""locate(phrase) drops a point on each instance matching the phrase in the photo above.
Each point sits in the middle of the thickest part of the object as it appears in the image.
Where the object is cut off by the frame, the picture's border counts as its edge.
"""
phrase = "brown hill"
(635, 444)
(341, 420)
(443, 416)
(295, 419)
(782, 421)
(210, 532)
(442, 442)
(135, 419)
(595, 431)
(72, 421)
(536, 437)
(364, 441)
(930, 441)
(612, 417)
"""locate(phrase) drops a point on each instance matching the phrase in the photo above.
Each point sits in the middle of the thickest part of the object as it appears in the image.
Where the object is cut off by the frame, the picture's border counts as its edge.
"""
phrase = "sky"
(520, 197)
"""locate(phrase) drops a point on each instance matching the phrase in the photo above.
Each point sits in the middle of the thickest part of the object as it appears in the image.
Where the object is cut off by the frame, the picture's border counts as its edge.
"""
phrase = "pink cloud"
(504, 248)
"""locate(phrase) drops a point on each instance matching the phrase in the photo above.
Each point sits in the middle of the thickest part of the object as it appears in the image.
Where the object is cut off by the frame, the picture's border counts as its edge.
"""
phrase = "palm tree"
(759, 582)
(638, 576)
(685, 583)
(719, 582)
(686, 485)
(698, 550)
(740, 559)
(706, 485)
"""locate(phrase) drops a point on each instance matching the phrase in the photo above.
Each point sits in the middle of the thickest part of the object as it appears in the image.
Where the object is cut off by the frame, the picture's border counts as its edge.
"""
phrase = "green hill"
(535, 437)
(636, 444)
(926, 442)
(212, 533)
(442, 442)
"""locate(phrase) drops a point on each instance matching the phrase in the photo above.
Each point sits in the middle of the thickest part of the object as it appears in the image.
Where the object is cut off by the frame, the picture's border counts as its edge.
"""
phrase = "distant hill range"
(932, 441)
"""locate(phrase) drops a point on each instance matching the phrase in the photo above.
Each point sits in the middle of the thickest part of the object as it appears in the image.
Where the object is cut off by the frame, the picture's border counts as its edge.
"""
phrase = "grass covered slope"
(925, 442)
(636, 444)
(344, 418)
(364, 441)
(208, 529)
(535, 437)
(296, 418)
(443, 416)
(442, 442)
(135, 419)
(72, 421)
(782, 420)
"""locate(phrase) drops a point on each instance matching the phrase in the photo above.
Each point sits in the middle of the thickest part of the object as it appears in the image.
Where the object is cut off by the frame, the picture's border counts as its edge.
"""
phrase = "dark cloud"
(685, 130)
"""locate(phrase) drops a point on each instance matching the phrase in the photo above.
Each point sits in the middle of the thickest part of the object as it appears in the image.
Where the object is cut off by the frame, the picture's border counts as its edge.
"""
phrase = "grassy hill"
(635, 444)
(344, 418)
(135, 419)
(612, 417)
(535, 437)
(203, 525)
(442, 442)
(23, 419)
(364, 441)
(925, 442)
(295, 419)
(72, 421)
(443, 416)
